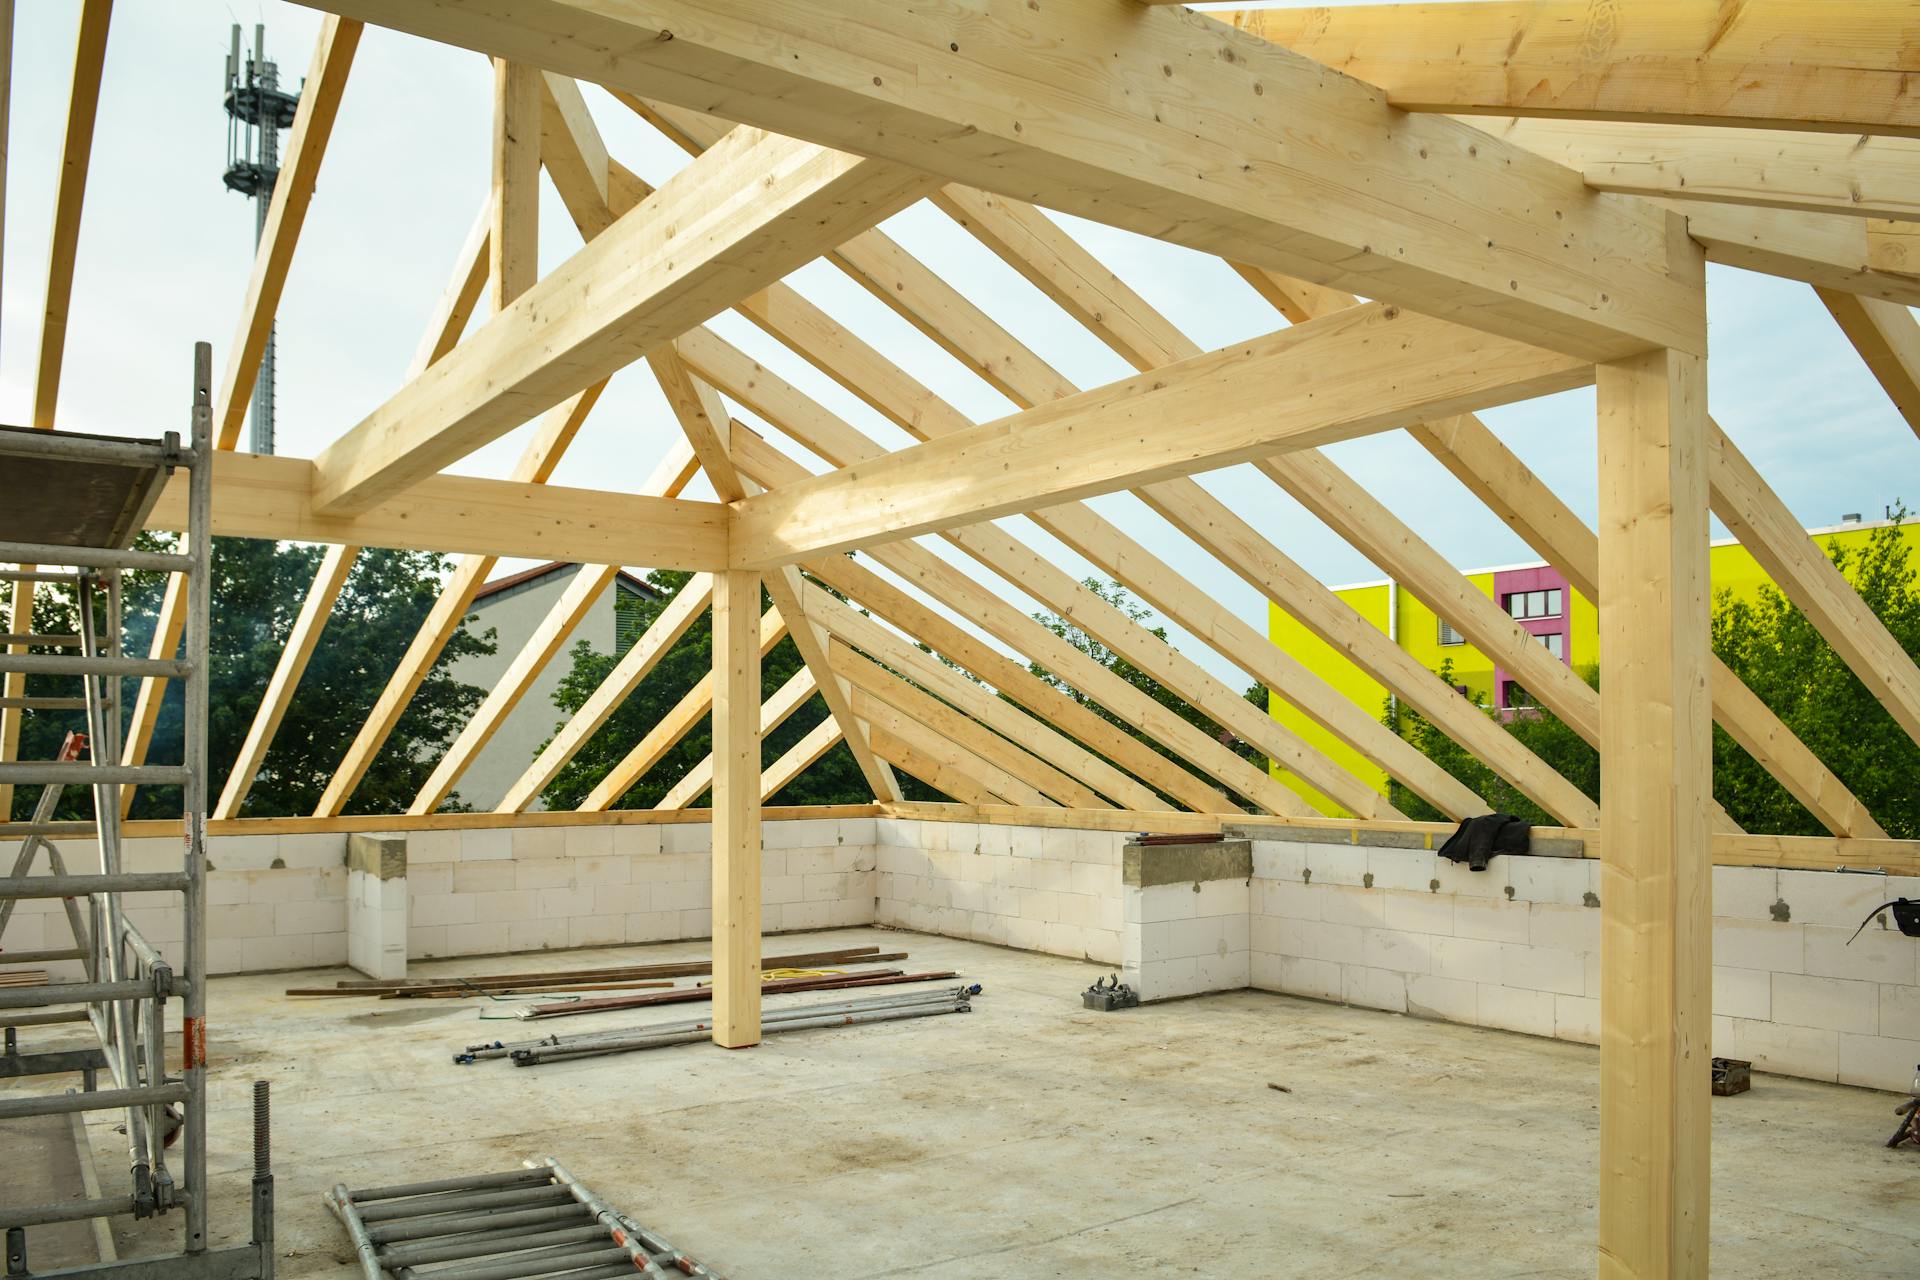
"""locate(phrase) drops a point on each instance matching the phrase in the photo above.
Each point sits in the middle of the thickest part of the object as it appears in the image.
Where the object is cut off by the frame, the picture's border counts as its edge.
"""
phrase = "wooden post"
(1656, 793)
(513, 248)
(736, 809)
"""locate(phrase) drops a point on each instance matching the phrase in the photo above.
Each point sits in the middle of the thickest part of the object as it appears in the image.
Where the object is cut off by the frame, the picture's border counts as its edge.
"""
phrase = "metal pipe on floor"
(342, 1205)
(512, 1178)
(460, 1203)
(484, 1246)
(540, 1262)
(417, 1228)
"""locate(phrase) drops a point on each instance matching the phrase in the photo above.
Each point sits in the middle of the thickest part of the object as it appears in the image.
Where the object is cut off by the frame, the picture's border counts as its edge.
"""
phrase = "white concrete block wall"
(489, 891)
(1184, 939)
(273, 902)
(377, 924)
(1517, 947)
(1036, 888)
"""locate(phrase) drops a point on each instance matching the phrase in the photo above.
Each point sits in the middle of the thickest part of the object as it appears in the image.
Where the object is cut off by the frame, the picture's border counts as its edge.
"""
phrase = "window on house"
(1448, 635)
(1545, 603)
(629, 619)
(1515, 698)
(1555, 642)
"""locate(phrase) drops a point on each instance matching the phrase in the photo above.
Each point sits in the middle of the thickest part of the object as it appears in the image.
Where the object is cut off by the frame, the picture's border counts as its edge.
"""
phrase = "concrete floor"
(1033, 1138)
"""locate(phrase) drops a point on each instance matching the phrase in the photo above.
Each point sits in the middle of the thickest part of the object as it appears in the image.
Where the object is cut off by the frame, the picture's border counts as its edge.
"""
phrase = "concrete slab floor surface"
(1029, 1138)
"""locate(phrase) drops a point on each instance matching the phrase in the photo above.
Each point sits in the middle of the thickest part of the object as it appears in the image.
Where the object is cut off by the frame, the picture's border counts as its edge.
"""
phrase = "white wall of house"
(513, 614)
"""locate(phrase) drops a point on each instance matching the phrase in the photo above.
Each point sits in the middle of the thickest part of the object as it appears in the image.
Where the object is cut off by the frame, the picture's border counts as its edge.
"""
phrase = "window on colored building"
(1515, 698)
(1555, 642)
(1448, 635)
(1534, 604)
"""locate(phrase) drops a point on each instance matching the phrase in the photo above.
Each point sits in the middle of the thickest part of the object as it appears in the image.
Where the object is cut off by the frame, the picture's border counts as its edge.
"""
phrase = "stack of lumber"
(826, 982)
(28, 977)
(569, 980)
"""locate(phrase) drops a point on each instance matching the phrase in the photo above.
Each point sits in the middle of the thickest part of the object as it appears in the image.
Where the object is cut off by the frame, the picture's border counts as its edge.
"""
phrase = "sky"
(165, 252)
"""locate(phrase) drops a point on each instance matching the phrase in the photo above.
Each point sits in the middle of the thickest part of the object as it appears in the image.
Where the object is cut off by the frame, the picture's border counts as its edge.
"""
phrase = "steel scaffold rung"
(45, 639)
(56, 993)
(38, 553)
(43, 704)
(42, 957)
(59, 1104)
(85, 775)
(80, 886)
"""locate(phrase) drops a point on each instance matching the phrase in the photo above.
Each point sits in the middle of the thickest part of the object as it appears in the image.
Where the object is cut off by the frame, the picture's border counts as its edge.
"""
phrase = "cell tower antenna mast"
(257, 110)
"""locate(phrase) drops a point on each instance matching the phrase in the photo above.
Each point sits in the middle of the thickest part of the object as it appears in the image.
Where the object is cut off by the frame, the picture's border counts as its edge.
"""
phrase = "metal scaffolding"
(81, 501)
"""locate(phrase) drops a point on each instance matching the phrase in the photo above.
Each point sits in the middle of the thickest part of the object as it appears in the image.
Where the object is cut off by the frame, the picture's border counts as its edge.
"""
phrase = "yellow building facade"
(1534, 593)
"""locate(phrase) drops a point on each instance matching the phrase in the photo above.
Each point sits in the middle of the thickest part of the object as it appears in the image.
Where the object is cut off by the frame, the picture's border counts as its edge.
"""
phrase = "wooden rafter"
(1888, 339)
(513, 242)
(1792, 64)
(774, 712)
(1526, 505)
(950, 758)
(1496, 236)
(1829, 250)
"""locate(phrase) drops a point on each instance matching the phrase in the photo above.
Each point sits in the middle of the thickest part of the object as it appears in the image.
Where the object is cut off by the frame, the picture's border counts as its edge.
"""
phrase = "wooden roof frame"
(1453, 205)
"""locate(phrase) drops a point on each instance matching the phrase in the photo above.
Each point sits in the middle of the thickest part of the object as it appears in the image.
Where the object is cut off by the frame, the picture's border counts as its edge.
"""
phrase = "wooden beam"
(83, 105)
(513, 245)
(934, 763)
(873, 680)
(736, 809)
(273, 497)
(1812, 172)
(672, 622)
(675, 725)
(1656, 890)
(572, 150)
(1831, 251)
(673, 261)
(1371, 369)
(1781, 64)
(313, 120)
(774, 712)
(1167, 123)
(1888, 339)
(702, 416)
(1062, 756)
(1527, 506)
(1800, 568)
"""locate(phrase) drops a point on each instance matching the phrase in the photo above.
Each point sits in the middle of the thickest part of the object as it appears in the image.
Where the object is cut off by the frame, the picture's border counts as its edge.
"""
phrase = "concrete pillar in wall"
(377, 905)
(1186, 917)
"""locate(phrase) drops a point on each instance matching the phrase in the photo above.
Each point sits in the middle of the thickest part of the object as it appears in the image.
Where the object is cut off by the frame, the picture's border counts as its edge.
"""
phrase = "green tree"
(834, 778)
(1116, 595)
(258, 588)
(1781, 656)
(1545, 734)
(1777, 651)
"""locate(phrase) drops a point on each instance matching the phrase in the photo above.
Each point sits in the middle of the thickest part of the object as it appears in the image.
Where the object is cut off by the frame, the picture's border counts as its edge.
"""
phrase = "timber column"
(736, 809)
(1656, 794)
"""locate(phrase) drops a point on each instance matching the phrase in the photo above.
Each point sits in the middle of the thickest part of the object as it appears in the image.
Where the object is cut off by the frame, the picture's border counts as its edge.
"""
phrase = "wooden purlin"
(1419, 211)
(1812, 172)
(1828, 250)
(1776, 64)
